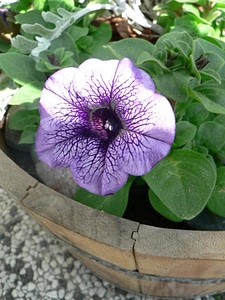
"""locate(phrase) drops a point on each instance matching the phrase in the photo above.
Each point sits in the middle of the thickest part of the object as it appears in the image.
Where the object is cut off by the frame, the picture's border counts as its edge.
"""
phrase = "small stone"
(12, 277)
(53, 263)
(97, 283)
(54, 284)
(70, 260)
(44, 266)
(29, 295)
(67, 276)
(78, 279)
(21, 294)
(22, 271)
(35, 276)
(92, 292)
(14, 294)
(83, 286)
(69, 295)
(101, 292)
(60, 259)
(70, 285)
(41, 286)
(40, 271)
(19, 235)
(12, 263)
(46, 275)
(77, 264)
(47, 259)
(73, 272)
(61, 294)
(51, 277)
(57, 271)
(52, 294)
(31, 286)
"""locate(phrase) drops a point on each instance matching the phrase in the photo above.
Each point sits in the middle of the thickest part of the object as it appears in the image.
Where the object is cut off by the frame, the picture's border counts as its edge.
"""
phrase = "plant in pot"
(104, 112)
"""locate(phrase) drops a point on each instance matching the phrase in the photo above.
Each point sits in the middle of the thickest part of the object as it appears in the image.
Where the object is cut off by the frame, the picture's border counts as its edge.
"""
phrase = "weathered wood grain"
(123, 279)
(104, 236)
(13, 179)
(180, 253)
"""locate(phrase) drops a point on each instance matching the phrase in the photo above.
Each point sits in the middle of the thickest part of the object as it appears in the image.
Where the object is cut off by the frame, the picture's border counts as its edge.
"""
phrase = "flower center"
(105, 122)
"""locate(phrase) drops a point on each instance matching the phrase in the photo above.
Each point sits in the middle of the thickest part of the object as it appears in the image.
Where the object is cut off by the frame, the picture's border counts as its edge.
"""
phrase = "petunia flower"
(105, 121)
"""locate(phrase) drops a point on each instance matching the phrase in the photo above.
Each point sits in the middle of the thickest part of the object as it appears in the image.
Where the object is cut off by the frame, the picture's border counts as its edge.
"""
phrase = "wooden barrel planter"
(143, 259)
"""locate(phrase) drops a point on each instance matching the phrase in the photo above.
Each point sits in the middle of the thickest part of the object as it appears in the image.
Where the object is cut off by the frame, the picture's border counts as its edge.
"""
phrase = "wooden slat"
(120, 279)
(180, 253)
(175, 289)
(13, 179)
(104, 236)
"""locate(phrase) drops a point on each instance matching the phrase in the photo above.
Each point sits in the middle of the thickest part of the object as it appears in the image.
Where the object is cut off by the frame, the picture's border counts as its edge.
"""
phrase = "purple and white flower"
(105, 121)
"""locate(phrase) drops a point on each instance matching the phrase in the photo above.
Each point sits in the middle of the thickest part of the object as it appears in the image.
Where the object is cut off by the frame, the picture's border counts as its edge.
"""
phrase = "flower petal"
(57, 148)
(96, 170)
(99, 77)
(143, 110)
(59, 93)
(138, 154)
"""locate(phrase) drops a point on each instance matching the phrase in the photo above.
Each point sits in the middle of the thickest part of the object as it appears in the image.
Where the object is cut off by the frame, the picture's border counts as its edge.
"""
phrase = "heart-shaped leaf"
(183, 181)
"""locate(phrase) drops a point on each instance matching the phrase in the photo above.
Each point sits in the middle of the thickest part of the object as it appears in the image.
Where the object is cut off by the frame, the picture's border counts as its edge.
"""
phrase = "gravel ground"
(35, 266)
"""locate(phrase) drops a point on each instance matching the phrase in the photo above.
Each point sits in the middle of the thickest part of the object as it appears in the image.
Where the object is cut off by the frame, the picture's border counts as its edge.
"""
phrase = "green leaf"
(65, 41)
(211, 46)
(98, 36)
(215, 60)
(183, 181)
(28, 93)
(76, 32)
(23, 118)
(209, 104)
(39, 4)
(211, 135)
(115, 204)
(146, 57)
(50, 61)
(179, 40)
(161, 208)
(196, 113)
(20, 68)
(119, 49)
(30, 17)
(151, 64)
(174, 85)
(55, 4)
(28, 135)
(208, 74)
(185, 132)
(217, 201)
(220, 119)
(85, 42)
